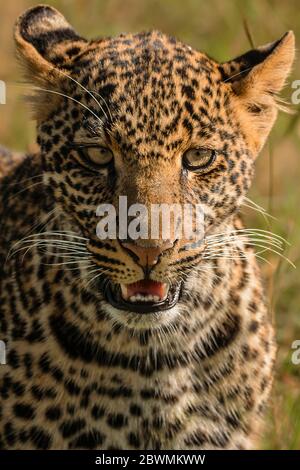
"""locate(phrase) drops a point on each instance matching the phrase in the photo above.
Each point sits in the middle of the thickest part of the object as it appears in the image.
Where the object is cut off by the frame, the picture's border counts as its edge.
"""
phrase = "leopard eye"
(198, 159)
(99, 155)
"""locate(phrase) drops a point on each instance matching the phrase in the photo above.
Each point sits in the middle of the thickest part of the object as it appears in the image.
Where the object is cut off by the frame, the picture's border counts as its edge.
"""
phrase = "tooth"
(133, 298)
(124, 291)
(165, 292)
(156, 298)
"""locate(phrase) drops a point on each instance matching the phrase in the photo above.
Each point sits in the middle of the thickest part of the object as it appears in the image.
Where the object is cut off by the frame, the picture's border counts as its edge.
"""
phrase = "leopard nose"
(147, 256)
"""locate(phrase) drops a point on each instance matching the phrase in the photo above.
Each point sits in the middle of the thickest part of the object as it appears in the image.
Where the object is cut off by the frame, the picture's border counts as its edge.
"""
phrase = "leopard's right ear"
(46, 44)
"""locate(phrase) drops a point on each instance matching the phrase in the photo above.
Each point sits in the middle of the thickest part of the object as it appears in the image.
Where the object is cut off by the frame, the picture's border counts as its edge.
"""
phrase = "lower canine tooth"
(124, 291)
(165, 294)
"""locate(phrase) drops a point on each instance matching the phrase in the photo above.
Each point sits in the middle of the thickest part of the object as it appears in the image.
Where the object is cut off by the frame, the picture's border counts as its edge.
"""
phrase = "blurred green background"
(218, 28)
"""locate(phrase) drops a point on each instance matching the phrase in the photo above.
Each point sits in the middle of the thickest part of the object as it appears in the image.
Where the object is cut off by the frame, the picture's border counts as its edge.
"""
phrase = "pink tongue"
(146, 287)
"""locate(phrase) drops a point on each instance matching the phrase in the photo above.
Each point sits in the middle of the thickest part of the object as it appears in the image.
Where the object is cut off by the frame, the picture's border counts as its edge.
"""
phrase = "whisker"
(214, 254)
(98, 94)
(248, 231)
(70, 98)
(54, 254)
(43, 223)
(256, 207)
(47, 242)
(63, 233)
(22, 181)
(72, 234)
(81, 262)
(263, 213)
(96, 276)
(11, 198)
(70, 245)
(246, 241)
(89, 92)
(55, 241)
(237, 74)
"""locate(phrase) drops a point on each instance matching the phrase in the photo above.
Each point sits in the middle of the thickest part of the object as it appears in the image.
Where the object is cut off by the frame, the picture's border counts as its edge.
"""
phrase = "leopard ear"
(45, 44)
(255, 79)
(261, 70)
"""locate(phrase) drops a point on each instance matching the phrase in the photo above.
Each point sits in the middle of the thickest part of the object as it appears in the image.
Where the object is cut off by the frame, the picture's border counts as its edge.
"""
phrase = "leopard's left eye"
(198, 159)
(99, 155)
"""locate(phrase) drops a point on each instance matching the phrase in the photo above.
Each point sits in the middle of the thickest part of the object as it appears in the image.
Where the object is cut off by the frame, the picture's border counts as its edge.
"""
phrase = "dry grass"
(217, 27)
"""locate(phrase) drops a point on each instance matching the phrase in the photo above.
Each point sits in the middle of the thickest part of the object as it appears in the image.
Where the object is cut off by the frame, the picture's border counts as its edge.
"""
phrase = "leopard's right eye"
(101, 156)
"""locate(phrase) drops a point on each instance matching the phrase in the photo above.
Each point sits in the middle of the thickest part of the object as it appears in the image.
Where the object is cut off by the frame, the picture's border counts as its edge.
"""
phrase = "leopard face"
(121, 117)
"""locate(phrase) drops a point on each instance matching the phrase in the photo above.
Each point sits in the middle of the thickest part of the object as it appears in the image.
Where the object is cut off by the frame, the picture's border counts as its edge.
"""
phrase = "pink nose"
(148, 256)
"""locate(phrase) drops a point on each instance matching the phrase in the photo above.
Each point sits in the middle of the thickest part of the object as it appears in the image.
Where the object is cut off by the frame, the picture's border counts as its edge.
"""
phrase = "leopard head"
(146, 117)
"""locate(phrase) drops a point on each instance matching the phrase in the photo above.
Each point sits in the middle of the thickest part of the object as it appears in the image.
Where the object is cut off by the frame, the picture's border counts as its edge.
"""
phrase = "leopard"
(124, 343)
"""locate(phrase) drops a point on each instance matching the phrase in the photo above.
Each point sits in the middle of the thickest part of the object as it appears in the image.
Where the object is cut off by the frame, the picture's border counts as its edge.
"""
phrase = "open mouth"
(144, 296)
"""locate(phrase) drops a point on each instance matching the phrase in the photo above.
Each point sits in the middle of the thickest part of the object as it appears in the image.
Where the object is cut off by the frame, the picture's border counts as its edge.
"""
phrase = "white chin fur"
(142, 321)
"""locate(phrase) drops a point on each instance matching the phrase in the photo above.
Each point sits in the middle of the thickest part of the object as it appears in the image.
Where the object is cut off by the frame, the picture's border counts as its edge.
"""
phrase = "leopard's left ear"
(262, 70)
(255, 78)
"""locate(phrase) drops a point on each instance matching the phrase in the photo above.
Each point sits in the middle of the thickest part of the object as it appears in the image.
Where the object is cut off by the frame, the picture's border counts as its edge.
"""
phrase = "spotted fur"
(80, 373)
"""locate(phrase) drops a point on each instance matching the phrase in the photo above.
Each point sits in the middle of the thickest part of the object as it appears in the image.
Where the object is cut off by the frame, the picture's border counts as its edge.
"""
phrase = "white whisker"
(70, 98)
(89, 92)
(11, 198)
